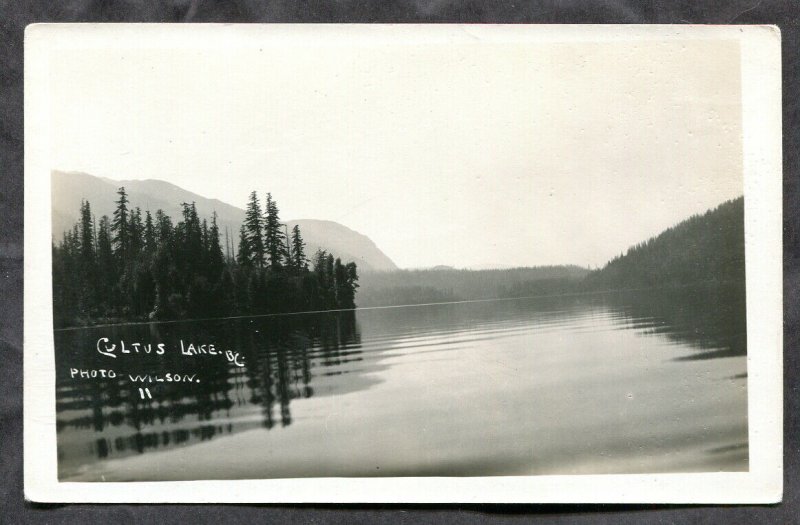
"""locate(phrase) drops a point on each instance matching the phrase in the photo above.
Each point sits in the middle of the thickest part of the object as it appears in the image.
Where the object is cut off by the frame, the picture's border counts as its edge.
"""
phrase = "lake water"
(639, 382)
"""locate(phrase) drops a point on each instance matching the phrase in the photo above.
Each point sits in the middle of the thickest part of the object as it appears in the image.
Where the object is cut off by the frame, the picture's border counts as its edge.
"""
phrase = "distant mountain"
(69, 188)
(703, 248)
(440, 284)
(490, 266)
(345, 243)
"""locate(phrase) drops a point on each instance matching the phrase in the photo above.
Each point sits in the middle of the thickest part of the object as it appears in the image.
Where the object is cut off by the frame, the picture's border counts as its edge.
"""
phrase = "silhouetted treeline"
(136, 266)
(704, 248)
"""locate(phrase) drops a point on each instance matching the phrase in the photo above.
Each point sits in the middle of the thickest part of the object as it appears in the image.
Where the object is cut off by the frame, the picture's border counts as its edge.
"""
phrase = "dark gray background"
(15, 15)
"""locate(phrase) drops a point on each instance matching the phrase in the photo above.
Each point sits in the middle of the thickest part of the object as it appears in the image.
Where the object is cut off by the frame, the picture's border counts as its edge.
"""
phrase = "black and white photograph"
(370, 253)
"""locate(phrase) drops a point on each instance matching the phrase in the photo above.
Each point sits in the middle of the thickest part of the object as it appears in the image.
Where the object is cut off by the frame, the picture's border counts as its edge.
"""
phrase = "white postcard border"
(761, 113)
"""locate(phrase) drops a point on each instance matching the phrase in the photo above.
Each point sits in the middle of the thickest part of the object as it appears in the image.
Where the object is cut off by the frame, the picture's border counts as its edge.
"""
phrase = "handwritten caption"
(116, 349)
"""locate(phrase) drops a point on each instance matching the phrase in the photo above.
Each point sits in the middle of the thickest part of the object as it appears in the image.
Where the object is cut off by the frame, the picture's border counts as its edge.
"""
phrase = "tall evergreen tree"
(319, 259)
(244, 255)
(149, 234)
(105, 255)
(298, 250)
(253, 223)
(163, 229)
(136, 232)
(273, 233)
(106, 268)
(120, 226)
(205, 235)
(191, 239)
(87, 234)
(85, 277)
(330, 282)
(215, 260)
(351, 276)
(165, 271)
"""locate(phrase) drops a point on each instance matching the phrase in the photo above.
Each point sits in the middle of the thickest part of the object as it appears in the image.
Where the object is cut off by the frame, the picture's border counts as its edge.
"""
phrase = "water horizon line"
(386, 307)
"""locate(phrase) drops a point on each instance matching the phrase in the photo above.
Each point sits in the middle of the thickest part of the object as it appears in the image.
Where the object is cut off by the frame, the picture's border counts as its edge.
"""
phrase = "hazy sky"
(442, 153)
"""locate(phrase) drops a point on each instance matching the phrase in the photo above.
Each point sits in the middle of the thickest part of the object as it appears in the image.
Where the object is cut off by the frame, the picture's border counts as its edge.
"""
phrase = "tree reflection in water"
(281, 357)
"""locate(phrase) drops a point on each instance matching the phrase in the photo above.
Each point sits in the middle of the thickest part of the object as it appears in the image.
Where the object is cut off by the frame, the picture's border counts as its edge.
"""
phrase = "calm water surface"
(610, 383)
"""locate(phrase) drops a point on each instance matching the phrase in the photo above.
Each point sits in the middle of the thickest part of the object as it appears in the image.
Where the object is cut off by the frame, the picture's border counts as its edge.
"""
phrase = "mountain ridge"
(69, 188)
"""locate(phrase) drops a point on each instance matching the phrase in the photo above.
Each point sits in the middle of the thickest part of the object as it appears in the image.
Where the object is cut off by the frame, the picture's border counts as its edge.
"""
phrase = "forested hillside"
(703, 248)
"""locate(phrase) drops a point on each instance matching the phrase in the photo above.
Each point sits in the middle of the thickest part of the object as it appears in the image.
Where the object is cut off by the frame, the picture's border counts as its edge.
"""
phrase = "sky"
(461, 153)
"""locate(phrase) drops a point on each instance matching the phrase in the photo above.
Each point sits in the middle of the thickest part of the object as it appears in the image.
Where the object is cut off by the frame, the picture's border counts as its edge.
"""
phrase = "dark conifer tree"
(190, 237)
(204, 229)
(163, 229)
(253, 224)
(105, 255)
(87, 235)
(346, 277)
(86, 277)
(351, 276)
(65, 292)
(120, 226)
(274, 235)
(319, 260)
(215, 259)
(319, 268)
(136, 232)
(166, 274)
(300, 262)
(149, 234)
(243, 255)
(204, 254)
(106, 269)
(340, 286)
(330, 282)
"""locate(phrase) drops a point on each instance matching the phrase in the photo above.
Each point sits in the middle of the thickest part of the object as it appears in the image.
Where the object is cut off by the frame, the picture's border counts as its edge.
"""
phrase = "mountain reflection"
(711, 320)
(281, 358)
